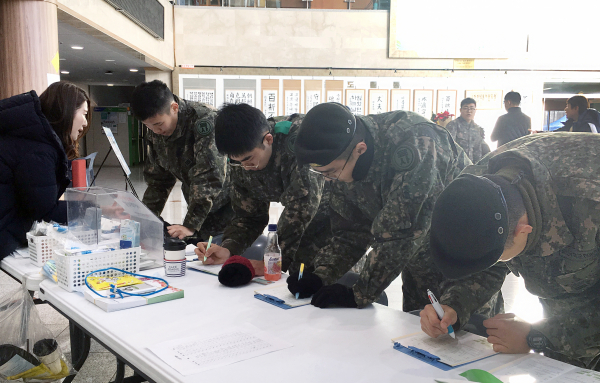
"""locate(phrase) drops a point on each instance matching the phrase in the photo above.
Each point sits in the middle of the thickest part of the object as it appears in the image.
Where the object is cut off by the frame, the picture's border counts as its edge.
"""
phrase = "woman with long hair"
(37, 138)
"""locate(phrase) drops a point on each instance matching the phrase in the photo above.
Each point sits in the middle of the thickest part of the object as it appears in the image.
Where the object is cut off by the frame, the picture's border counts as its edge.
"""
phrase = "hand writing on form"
(179, 231)
(430, 323)
(508, 333)
(215, 255)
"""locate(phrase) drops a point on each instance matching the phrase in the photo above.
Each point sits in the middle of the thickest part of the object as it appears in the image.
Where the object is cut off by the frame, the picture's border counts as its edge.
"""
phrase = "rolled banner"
(78, 168)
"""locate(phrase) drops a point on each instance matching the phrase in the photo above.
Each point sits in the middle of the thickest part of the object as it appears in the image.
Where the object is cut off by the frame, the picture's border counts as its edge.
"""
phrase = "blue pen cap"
(272, 227)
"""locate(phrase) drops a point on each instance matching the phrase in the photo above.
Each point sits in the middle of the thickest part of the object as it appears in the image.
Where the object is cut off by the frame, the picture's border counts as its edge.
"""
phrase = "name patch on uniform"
(204, 127)
(291, 141)
(405, 158)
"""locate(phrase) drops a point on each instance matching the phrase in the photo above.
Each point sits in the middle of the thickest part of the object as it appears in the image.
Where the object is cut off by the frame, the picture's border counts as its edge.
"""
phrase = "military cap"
(469, 226)
(325, 132)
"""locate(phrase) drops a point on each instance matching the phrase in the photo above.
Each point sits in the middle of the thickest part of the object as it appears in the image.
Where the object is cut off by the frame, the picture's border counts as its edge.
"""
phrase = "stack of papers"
(444, 352)
(540, 369)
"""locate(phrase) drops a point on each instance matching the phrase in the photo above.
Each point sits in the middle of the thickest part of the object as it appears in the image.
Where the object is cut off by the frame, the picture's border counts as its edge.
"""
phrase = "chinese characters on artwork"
(240, 97)
(313, 98)
(292, 102)
(205, 96)
(270, 103)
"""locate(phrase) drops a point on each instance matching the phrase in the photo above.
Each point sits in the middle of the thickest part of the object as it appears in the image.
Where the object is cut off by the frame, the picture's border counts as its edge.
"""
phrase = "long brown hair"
(59, 104)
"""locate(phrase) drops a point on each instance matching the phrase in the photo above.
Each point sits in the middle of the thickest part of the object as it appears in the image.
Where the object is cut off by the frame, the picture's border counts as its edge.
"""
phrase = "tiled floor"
(100, 366)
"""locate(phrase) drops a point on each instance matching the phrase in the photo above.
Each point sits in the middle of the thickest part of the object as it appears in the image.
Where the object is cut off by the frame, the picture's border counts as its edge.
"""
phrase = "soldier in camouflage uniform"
(263, 170)
(533, 204)
(393, 167)
(181, 147)
(467, 133)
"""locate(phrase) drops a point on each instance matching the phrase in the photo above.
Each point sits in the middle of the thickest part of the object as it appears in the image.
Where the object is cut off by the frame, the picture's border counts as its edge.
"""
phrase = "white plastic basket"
(41, 248)
(72, 270)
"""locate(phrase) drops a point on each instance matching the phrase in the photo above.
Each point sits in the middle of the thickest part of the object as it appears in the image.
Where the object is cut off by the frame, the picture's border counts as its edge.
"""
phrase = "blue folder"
(428, 357)
(273, 300)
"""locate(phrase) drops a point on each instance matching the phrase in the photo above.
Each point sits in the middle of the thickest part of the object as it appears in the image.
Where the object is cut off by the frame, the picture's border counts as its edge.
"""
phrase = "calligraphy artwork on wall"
(378, 101)
(423, 102)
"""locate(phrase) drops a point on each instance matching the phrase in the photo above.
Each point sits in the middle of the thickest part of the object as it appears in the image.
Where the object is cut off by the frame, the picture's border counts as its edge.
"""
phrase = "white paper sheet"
(192, 355)
(281, 291)
(535, 368)
(210, 269)
(465, 348)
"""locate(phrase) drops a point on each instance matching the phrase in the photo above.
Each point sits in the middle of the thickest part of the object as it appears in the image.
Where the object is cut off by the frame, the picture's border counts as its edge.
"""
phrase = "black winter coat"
(33, 170)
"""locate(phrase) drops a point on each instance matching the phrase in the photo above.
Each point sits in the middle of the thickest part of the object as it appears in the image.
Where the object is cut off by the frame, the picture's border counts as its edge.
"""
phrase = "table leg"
(80, 348)
(120, 376)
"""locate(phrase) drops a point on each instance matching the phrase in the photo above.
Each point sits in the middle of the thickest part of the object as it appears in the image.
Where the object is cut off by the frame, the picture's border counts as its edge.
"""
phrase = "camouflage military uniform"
(470, 137)
(282, 181)
(189, 155)
(390, 209)
(563, 267)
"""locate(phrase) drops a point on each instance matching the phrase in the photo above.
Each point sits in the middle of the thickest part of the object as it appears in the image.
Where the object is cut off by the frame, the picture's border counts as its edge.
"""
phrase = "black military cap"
(469, 226)
(325, 132)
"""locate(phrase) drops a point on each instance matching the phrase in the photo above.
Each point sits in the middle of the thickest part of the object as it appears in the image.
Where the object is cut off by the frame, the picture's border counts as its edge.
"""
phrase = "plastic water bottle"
(272, 256)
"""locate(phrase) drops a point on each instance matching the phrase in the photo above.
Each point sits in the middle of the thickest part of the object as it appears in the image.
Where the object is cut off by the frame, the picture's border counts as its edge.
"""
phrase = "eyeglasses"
(471, 109)
(245, 167)
(310, 169)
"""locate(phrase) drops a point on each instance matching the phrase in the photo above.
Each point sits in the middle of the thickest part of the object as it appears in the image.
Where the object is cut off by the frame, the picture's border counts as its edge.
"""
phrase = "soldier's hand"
(431, 324)
(334, 295)
(307, 286)
(508, 333)
(179, 231)
(215, 255)
(259, 267)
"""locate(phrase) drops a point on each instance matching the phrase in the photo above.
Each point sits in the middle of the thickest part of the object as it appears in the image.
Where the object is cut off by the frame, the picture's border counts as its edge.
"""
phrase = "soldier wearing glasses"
(264, 170)
(389, 169)
(467, 133)
(533, 209)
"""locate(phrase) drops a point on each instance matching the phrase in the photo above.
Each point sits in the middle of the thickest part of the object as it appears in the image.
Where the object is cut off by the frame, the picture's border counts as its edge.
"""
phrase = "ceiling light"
(133, 70)
(108, 72)
(109, 60)
(109, 84)
(77, 47)
(62, 59)
(64, 71)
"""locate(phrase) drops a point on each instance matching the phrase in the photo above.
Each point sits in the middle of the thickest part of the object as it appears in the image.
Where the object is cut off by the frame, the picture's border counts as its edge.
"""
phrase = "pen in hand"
(300, 277)
(439, 311)
(208, 247)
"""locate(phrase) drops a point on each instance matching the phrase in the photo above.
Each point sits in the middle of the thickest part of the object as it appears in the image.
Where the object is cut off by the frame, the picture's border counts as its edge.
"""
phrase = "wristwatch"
(537, 341)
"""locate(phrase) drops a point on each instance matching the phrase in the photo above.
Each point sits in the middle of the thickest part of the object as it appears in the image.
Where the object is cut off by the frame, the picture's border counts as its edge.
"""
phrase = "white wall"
(105, 18)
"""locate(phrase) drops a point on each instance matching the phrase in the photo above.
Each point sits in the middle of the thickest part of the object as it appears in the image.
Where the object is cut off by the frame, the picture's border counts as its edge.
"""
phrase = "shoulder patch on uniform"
(291, 141)
(282, 127)
(204, 127)
(405, 158)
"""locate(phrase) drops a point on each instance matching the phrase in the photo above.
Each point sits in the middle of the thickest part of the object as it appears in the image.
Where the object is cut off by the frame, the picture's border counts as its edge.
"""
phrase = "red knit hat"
(236, 271)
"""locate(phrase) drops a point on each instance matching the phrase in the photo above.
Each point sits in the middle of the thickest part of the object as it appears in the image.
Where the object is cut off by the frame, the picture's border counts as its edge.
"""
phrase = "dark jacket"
(589, 116)
(33, 170)
(514, 124)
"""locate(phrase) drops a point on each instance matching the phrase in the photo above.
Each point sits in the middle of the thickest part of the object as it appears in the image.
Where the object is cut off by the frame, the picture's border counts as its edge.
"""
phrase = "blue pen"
(300, 277)
(440, 311)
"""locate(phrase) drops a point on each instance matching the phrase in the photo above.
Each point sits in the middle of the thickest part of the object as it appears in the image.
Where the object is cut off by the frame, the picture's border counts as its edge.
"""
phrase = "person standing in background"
(580, 118)
(514, 124)
(466, 133)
